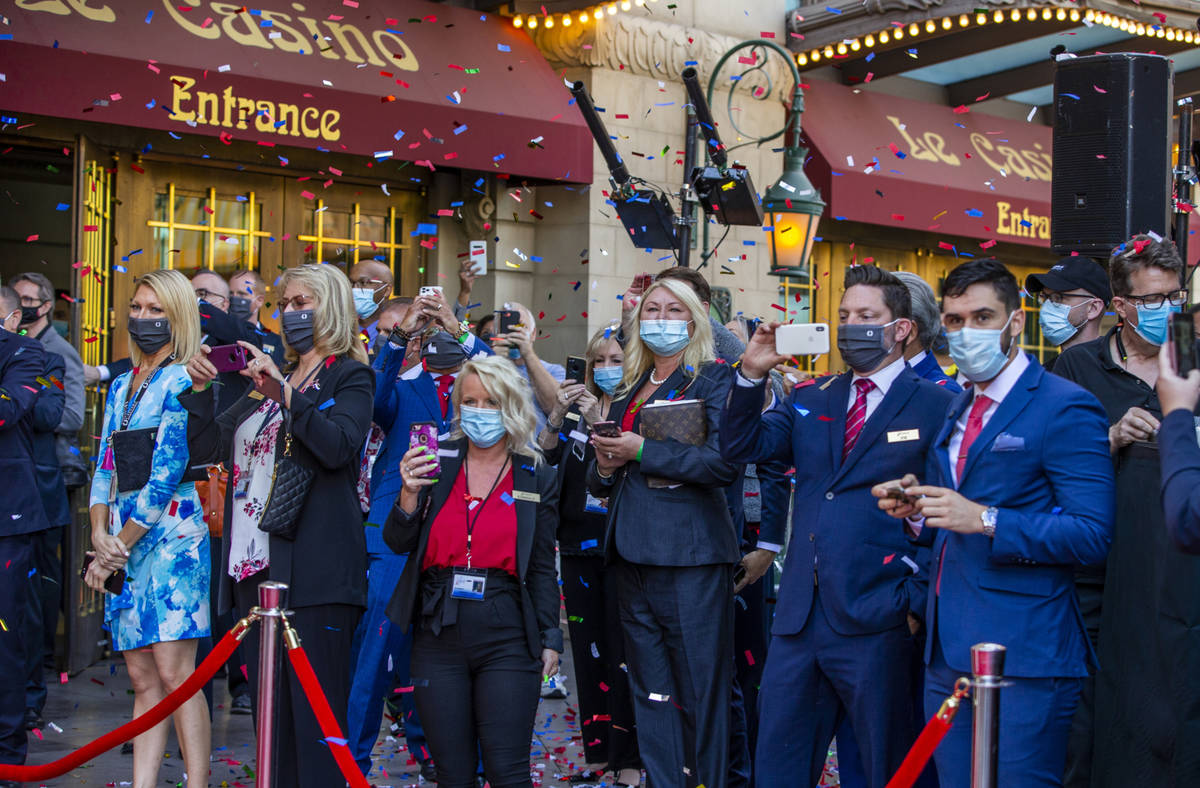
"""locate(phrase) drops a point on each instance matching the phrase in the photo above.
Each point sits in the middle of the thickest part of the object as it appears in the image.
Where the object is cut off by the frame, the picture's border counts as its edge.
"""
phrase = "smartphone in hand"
(1183, 336)
(607, 429)
(576, 368)
(228, 358)
(508, 320)
(425, 435)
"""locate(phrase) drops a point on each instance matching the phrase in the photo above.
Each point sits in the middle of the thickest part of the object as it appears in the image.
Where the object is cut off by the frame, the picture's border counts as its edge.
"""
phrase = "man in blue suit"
(1018, 492)
(852, 584)
(927, 316)
(419, 394)
(22, 516)
(1177, 443)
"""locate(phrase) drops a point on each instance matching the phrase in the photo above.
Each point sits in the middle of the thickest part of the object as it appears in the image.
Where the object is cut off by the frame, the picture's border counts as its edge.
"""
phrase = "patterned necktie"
(856, 417)
(444, 384)
(974, 427)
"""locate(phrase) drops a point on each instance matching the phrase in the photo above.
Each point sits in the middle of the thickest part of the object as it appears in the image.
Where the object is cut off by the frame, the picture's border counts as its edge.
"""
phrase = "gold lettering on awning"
(229, 111)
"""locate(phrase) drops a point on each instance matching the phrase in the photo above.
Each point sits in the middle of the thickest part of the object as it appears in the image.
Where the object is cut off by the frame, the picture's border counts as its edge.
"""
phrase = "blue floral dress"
(167, 585)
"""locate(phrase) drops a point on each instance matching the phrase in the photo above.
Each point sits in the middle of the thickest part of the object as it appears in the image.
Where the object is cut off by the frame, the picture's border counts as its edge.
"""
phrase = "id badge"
(595, 505)
(243, 489)
(469, 584)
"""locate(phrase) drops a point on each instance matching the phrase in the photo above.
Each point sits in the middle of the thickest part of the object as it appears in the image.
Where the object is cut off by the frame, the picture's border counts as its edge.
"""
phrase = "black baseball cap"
(1071, 273)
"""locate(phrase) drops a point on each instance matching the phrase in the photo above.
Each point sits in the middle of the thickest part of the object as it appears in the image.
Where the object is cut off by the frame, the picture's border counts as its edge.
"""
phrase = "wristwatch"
(988, 518)
(464, 328)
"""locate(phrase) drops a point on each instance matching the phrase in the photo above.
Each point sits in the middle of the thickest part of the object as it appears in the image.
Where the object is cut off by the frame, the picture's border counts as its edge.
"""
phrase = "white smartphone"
(802, 339)
(479, 258)
(430, 290)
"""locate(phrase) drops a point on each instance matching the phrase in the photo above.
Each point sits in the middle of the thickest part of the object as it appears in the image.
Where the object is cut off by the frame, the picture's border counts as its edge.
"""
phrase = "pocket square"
(1006, 442)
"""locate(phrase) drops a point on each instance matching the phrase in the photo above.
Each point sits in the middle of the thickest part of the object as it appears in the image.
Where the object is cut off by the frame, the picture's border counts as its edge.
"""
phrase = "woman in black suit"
(479, 587)
(328, 395)
(672, 545)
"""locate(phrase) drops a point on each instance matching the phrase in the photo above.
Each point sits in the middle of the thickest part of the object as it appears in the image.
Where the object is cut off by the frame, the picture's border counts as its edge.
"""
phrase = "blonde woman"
(152, 530)
(672, 547)
(326, 397)
(479, 588)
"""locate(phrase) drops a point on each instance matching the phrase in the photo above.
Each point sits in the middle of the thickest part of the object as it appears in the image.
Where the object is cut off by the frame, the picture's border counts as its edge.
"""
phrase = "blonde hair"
(699, 351)
(335, 323)
(178, 301)
(500, 377)
(594, 347)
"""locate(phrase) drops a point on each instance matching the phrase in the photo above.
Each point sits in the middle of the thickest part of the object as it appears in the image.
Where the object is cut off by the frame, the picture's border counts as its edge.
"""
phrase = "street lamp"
(793, 206)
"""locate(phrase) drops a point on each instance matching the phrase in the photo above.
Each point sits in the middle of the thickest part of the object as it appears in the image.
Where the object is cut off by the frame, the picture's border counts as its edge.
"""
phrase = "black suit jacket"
(537, 522)
(327, 561)
(47, 415)
(689, 525)
(22, 361)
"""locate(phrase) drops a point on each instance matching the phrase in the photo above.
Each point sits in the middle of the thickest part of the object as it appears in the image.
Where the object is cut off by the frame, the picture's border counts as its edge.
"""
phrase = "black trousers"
(45, 601)
(221, 623)
(302, 760)
(477, 690)
(16, 558)
(606, 717)
(678, 624)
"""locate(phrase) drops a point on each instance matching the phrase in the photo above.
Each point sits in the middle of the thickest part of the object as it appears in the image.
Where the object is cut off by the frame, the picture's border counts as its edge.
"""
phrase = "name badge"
(576, 435)
(469, 584)
(573, 416)
(594, 504)
(531, 497)
(897, 436)
(255, 394)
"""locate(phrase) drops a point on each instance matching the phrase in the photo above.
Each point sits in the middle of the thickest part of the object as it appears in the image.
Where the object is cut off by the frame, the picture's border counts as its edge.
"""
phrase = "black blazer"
(22, 362)
(687, 525)
(327, 562)
(536, 524)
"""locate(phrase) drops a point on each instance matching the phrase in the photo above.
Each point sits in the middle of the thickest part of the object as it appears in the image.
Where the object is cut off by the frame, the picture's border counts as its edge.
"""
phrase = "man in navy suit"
(1018, 492)
(927, 316)
(1180, 450)
(22, 516)
(420, 393)
(853, 586)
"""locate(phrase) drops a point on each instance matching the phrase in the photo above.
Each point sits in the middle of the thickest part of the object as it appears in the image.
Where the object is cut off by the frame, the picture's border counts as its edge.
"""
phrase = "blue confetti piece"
(503, 48)
(801, 411)
(32, 572)
(426, 228)
(120, 269)
(460, 129)
(870, 56)
(691, 63)
(334, 739)
(1071, 95)
(62, 206)
(975, 212)
(535, 258)
(498, 157)
(508, 499)
(1056, 510)
(399, 133)
(326, 404)
(149, 16)
(590, 543)
(749, 243)
(833, 10)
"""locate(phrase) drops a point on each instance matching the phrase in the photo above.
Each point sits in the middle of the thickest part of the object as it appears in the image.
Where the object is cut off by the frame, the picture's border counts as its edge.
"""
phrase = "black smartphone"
(1183, 335)
(115, 583)
(739, 574)
(607, 429)
(898, 494)
(576, 368)
(508, 320)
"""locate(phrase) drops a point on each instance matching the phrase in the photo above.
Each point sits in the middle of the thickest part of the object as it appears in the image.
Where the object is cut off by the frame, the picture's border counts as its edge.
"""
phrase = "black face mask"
(863, 347)
(486, 337)
(150, 334)
(298, 330)
(443, 352)
(29, 314)
(239, 308)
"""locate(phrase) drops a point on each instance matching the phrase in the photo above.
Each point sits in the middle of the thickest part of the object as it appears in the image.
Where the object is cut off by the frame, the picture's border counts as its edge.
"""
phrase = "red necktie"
(974, 427)
(444, 384)
(856, 417)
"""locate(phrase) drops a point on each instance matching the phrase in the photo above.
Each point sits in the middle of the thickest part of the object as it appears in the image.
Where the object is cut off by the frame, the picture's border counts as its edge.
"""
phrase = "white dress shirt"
(917, 359)
(883, 380)
(997, 390)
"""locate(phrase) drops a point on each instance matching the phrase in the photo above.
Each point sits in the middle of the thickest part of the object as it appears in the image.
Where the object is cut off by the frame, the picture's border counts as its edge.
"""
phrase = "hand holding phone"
(576, 369)
(1183, 337)
(802, 339)
(607, 429)
(508, 320)
(424, 434)
(115, 583)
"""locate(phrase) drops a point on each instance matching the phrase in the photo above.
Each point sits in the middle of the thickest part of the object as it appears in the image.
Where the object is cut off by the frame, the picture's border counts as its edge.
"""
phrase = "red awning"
(889, 161)
(435, 84)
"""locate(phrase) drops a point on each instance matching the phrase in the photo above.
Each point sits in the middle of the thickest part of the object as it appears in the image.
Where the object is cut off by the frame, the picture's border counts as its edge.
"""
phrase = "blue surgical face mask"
(1055, 320)
(364, 301)
(608, 378)
(1152, 324)
(979, 352)
(483, 426)
(665, 337)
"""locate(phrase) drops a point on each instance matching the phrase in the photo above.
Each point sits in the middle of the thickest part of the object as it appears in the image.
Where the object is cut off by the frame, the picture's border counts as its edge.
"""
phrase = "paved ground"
(98, 700)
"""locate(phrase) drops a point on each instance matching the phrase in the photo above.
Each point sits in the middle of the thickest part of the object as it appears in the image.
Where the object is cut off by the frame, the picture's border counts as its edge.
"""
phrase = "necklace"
(654, 380)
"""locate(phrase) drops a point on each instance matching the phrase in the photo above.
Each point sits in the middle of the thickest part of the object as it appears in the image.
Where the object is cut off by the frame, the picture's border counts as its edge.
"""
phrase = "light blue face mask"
(1055, 320)
(608, 378)
(364, 301)
(665, 337)
(483, 426)
(1153, 323)
(979, 352)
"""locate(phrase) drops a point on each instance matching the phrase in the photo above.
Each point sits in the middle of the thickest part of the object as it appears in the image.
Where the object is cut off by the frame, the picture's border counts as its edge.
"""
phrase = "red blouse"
(631, 411)
(494, 540)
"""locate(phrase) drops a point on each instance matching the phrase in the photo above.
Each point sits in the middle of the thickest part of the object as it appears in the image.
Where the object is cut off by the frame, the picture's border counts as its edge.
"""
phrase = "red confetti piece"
(897, 217)
(887, 559)
(961, 109)
(988, 244)
(31, 238)
(749, 657)
(824, 418)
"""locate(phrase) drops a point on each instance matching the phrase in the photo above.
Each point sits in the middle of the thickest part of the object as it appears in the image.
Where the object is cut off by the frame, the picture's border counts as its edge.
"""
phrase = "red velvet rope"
(914, 763)
(164, 708)
(329, 725)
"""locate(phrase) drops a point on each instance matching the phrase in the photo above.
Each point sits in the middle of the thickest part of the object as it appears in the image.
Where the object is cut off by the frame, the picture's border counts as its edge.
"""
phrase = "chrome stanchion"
(987, 663)
(272, 599)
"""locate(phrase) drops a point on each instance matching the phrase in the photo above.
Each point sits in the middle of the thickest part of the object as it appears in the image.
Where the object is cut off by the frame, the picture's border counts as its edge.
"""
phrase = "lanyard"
(482, 501)
(274, 406)
(131, 406)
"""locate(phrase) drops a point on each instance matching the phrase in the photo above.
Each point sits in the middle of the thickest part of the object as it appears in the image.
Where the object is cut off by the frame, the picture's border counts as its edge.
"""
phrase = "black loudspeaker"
(1112, 151)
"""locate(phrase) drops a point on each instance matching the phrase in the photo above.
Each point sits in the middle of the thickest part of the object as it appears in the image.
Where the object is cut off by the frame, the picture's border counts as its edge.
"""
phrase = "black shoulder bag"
(290, 483)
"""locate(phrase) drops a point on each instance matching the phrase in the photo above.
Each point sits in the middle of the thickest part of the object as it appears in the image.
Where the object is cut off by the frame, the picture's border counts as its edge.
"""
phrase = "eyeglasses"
(31, 301)
(366, 282)
(295, 302)
(1156, 300)
(1059, 298)
(209, 296)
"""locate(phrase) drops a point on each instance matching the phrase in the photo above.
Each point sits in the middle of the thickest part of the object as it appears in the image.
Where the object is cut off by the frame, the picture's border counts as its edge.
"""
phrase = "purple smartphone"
(425, 434)
(228, 358)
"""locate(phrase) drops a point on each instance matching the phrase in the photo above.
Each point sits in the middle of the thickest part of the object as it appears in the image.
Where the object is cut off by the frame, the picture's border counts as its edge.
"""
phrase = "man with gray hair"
(927, 315)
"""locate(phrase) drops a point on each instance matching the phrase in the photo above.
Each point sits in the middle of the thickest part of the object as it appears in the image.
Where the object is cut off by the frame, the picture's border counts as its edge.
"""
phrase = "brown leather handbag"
(212, 499)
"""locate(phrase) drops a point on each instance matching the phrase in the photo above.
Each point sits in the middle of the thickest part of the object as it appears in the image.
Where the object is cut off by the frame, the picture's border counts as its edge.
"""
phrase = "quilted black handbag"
(290, 482)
